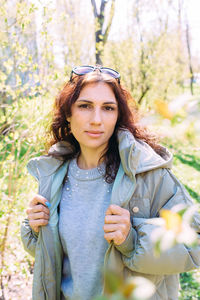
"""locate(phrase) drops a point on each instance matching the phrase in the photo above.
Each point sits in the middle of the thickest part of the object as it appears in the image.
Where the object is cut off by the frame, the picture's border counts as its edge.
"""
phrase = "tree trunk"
(100, 34)
(189, 58)
(143, 56)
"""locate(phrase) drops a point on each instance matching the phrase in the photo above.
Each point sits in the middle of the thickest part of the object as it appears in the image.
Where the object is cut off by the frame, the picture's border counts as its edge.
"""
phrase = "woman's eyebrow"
(88, 101)
(84, 100)
(110, 102)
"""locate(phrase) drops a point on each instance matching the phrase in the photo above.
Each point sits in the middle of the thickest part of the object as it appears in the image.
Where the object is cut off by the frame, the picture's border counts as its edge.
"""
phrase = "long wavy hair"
(127, 120)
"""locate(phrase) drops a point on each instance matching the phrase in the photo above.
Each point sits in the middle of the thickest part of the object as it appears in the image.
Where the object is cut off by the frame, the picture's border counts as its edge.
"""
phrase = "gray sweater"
(85, 199)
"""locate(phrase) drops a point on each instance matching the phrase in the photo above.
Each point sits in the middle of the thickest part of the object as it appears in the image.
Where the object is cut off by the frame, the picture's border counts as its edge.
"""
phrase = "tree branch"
(109, 22)
(94, 8)
(102, 7)
(143, 94)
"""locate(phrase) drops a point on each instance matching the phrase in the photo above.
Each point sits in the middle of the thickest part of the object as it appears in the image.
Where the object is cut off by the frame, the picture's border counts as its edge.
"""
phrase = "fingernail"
(48, 204)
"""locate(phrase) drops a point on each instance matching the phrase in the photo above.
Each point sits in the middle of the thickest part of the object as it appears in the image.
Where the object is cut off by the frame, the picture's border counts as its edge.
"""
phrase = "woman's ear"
(68, 119)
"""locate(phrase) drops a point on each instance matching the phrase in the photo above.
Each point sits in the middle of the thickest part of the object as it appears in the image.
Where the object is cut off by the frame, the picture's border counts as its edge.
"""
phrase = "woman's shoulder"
(44, 165)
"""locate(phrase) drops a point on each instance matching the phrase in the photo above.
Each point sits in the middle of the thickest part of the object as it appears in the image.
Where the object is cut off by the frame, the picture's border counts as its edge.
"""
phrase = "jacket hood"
(136, 157)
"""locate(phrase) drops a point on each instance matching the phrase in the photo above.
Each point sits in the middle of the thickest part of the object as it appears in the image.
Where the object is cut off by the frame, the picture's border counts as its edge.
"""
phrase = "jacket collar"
(136, 157)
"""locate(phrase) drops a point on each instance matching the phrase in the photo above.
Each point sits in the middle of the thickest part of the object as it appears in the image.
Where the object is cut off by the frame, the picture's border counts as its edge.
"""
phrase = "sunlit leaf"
(173, 220)
(163, 109)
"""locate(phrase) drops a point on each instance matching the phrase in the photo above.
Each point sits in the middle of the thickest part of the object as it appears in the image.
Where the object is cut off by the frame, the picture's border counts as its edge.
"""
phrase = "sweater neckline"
(89, 174)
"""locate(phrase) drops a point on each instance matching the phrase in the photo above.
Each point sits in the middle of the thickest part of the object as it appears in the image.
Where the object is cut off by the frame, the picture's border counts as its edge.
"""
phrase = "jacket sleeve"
(165, 192)
(28, 237)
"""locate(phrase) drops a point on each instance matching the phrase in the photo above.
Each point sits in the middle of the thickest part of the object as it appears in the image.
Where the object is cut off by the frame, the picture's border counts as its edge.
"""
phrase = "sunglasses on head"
(82, 70)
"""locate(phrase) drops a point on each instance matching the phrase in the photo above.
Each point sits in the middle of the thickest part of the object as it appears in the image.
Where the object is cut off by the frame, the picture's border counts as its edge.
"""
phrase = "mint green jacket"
(144, 184)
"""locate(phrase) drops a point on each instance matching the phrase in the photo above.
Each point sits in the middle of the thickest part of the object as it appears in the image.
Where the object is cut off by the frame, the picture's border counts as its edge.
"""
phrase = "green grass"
(186, 166)
(187, 169)
(190, 286)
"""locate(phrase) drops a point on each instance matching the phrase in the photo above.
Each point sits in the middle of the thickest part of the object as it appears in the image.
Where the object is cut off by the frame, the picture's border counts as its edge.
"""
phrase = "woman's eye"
(109, 108)
(84, 106)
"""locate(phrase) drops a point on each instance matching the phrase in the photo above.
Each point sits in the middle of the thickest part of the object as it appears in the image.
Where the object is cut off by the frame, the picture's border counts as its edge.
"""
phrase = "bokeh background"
(155, 46)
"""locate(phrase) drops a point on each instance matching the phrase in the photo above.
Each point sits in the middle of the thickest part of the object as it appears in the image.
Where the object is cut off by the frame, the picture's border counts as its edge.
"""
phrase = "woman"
(103, 178)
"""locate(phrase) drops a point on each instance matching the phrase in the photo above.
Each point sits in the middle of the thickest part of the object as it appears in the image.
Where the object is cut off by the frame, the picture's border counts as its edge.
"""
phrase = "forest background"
(40, 42)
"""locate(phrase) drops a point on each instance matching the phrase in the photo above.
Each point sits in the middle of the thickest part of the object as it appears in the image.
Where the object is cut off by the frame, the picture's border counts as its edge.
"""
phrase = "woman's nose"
(96, 117)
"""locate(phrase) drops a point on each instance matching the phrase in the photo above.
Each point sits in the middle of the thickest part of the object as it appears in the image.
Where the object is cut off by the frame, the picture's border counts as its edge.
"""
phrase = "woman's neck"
(88, 161)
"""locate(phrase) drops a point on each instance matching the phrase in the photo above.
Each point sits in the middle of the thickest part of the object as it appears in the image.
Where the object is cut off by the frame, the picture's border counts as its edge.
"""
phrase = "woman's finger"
(114, 227)
(35, 223)
(37, 208)
(114, 219)
(39, 215)
(114, 209)
(38, 199)
(116, 236)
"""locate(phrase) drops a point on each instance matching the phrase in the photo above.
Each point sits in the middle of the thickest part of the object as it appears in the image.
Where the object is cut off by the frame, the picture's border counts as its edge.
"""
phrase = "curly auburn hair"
(127, 120)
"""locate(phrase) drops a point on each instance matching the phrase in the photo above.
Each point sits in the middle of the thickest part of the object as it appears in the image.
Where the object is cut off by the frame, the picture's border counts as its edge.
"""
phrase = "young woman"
(104, 177)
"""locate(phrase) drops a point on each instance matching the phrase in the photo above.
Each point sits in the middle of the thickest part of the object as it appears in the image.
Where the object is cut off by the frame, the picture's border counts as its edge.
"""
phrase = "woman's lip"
(94, 133)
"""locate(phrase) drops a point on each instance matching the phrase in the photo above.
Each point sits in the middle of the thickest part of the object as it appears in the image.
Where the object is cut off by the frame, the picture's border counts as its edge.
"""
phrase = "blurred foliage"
(132, 288)
(190, 286)
(174, 227)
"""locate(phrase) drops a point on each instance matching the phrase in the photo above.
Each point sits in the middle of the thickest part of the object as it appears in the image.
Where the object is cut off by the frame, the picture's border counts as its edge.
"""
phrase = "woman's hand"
(38, 212)
(117, 224)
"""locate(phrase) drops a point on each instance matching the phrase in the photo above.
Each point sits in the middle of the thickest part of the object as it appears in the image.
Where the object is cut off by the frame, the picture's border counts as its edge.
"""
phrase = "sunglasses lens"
(83, 70)
(110, 72)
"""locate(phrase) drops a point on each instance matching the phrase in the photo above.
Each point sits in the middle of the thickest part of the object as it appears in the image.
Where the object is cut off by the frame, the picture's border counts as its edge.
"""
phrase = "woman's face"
(94, 116)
